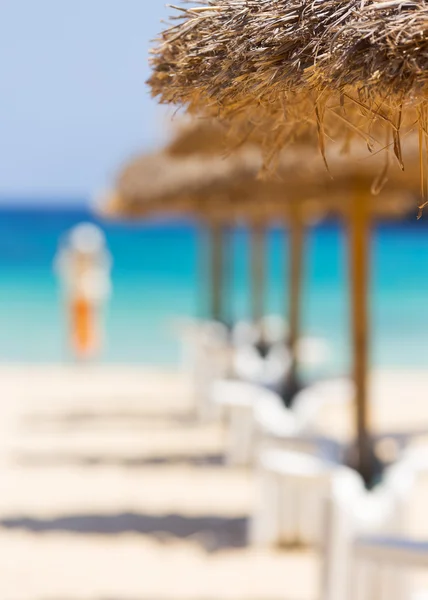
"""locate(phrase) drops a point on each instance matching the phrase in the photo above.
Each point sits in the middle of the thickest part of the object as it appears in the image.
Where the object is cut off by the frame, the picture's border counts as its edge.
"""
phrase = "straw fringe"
(193, 176)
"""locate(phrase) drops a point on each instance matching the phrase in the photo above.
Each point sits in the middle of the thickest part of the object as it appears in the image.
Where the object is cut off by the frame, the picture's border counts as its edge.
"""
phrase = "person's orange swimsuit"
(83, 327)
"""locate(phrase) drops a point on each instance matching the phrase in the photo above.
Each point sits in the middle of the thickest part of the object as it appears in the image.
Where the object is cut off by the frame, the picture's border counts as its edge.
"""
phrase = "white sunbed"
(310, 402)
(269, 371)
(273, 427)
(206, 357)
(272, 328)
(272, 370)
(258, 418)
(357, 566)
(292, 489)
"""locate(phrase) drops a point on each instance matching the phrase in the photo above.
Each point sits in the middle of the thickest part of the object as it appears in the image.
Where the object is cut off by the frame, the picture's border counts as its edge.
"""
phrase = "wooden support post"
(257, 254)
(296, 243)
(359, 238)
(202, 269)
(217, 272)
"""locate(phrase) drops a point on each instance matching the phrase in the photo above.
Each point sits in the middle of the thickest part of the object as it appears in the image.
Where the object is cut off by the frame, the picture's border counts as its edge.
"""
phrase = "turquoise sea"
(157, 277)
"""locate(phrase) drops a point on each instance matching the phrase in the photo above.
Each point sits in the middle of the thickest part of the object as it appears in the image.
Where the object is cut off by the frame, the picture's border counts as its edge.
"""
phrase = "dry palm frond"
(273, 62)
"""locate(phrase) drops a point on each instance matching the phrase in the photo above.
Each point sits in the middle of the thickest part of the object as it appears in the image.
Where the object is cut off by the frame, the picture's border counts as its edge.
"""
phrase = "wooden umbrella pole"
(217, 268)
(203, 250)
(359, 237)
(227, 274)
(296, 233)
(257, 271)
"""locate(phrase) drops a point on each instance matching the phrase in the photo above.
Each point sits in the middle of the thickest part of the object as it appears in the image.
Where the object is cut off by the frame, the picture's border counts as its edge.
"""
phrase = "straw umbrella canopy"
(194, 175)
(347, 68)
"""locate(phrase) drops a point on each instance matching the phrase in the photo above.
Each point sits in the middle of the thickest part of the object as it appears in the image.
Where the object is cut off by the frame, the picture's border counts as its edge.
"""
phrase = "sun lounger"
(269, 371)
(351, 523)
(290, 492)
(272, 328)
(206, 357)
(310, 401)
(257, 419)
(292, 489)
(244, 403)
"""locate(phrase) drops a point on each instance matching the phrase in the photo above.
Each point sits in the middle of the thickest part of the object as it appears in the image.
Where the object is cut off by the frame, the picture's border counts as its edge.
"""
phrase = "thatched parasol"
(346, 68)
(201, 180)
(191, 175)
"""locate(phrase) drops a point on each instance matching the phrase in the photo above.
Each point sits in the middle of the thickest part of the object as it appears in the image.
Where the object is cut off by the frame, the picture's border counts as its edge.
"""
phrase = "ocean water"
(157, 279)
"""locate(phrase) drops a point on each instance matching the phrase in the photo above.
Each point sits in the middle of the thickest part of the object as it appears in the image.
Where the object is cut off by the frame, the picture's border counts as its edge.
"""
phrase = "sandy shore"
(109, 489)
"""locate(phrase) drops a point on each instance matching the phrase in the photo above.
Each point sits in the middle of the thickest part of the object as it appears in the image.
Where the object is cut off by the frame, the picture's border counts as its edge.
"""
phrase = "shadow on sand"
(127, 462)
(213, 533)
(87, 418)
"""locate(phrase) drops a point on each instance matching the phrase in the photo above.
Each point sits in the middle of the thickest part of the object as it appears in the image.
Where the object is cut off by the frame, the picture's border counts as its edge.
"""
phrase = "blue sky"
(74, 103)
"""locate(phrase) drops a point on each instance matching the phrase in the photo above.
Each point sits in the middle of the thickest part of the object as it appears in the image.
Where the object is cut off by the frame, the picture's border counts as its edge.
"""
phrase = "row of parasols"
(302, 72)
(196, 176)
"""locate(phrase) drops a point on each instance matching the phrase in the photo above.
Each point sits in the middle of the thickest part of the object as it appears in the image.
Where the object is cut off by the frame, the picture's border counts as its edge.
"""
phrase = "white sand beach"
(109, 488)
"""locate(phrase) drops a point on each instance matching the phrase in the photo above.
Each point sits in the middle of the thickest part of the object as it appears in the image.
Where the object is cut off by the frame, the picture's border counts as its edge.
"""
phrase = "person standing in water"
(83, 264)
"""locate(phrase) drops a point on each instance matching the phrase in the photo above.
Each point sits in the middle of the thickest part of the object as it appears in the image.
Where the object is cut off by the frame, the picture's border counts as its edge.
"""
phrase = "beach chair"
(292, 489)
(236, 400)
(348, 521)
(206, 354)
(241, 402)
(261, 355)
(381, 565)
(282, 428)
(269, 371)
(244, 333)
(272, 328)
(310, 402)
(257, 418)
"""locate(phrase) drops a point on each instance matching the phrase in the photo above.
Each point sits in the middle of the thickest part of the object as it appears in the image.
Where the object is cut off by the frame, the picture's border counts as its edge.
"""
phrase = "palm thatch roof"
(342, 68)
(159, 180)
(193, 176)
